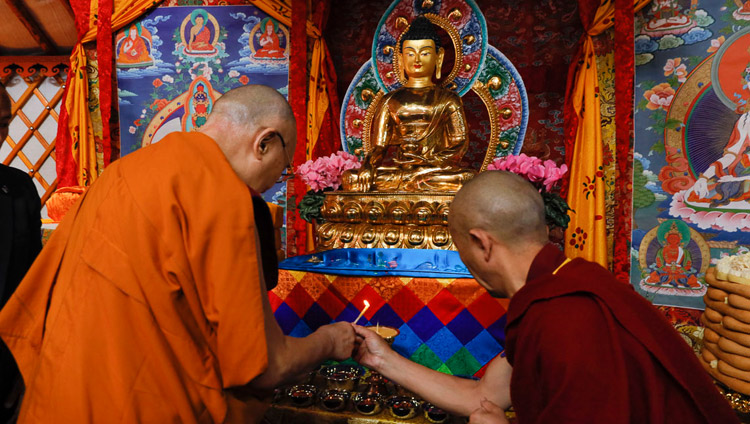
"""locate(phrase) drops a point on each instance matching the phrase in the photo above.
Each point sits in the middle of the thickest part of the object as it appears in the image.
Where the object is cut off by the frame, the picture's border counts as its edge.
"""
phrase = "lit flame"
(367, 304)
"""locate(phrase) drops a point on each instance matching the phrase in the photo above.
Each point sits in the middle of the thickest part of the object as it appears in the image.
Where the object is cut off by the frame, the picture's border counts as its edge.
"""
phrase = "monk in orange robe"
(581, 346)
(148, 303)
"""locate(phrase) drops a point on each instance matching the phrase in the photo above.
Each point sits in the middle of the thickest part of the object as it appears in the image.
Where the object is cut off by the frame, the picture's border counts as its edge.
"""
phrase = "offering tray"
(284, 409)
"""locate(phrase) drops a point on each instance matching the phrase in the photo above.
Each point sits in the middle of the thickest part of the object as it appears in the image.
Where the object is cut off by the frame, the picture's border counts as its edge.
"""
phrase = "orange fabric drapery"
(79, 130)
(586, 235)
(321, 107)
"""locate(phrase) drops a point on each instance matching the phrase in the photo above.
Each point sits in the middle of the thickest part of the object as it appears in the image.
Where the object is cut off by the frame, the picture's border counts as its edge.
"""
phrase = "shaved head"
(251, 106)
(503, 204)
(254, 127)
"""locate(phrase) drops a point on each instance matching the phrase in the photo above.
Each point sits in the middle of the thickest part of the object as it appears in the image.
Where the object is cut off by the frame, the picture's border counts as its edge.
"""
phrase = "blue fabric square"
(301, 330)
(444, 344)
(465, 327)
(316, 316)
(425, 323)
(349, 313)
(387, 316)
(484, 347)
(406, 343)
(497, 330)
(286, 317)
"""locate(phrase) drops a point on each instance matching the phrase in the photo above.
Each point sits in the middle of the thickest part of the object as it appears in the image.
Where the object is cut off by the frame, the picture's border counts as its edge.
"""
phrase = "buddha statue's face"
(419, 58)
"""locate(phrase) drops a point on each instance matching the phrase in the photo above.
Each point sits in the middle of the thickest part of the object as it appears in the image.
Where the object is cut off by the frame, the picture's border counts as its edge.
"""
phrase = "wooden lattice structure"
(35, 85)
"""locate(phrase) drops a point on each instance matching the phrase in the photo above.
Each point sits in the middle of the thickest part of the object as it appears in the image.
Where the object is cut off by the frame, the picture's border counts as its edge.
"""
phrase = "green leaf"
(672, 123)
(658, 147)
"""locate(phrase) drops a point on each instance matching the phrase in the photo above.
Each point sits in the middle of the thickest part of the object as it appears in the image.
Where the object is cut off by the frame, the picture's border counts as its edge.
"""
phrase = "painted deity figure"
(200, 106)
(200, 36)
(424, 122)
(133, 49)
(269, 42)
(673, 262)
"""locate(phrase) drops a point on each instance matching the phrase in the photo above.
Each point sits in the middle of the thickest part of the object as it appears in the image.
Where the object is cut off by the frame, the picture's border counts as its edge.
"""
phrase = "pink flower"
(326, 171)
(543, 174)
(673, 66)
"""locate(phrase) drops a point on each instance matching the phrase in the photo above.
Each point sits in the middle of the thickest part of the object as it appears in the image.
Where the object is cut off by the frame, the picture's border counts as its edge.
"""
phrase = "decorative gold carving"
(469, 39)
(366, 95)
(387, 50)
(495, 83)
(402, 23)
(426, 4)
(455, 15)
(467, 67)
(369, 116)
(357, 123)
(506, 112)
(404, 220)
(455, 38)
(484, 93)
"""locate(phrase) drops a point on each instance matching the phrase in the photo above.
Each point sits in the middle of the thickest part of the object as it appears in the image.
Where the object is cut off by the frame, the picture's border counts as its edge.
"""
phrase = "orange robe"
(146, 304)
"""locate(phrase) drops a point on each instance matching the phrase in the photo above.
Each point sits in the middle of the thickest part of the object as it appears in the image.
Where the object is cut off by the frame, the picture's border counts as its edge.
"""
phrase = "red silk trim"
(296, 227)
(65, 165)
(624, 72)
(104, 49)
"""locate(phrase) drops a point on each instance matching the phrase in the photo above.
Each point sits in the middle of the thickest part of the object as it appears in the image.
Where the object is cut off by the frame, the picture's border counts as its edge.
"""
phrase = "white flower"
(233, 74)
(131, 130)
(143, 111)
(167, 79)
(218, 61)
(177, 63)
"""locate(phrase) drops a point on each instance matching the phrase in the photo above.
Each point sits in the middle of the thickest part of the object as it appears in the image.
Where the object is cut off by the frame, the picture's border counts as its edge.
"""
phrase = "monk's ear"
(483, 242)
(260, 141)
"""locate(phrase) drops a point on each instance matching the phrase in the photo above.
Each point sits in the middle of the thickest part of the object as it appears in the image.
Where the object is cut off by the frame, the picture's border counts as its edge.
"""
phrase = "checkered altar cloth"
(450, 325)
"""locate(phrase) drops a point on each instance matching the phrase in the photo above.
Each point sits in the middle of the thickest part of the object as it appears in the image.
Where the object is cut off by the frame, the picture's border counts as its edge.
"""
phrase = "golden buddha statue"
(424, 122)
(413, 133)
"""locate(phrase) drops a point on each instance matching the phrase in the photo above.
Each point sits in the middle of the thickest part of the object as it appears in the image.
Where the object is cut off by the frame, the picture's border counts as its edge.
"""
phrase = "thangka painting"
(691, 185)
(174, 63)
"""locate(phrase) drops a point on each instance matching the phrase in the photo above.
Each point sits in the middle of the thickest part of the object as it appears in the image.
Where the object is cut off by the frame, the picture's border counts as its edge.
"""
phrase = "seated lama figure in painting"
(424, 122)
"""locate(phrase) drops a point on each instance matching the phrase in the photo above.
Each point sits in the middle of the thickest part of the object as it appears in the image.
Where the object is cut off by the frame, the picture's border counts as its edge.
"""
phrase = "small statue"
(425, 122)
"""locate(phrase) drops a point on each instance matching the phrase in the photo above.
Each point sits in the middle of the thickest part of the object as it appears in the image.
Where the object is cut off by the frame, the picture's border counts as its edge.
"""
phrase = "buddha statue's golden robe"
(428, 128)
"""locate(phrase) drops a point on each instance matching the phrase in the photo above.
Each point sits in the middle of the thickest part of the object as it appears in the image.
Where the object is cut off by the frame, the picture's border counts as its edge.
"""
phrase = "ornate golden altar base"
(396, 219)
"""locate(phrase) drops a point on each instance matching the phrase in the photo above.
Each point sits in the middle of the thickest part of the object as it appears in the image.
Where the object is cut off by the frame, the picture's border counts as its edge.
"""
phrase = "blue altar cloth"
(380, 262)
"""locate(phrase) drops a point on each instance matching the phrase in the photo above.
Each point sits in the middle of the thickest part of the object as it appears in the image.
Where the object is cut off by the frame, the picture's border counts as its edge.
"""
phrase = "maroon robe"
(586, 348)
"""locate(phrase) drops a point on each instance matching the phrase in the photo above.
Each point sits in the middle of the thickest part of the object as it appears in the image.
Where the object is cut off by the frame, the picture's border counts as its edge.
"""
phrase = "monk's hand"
(371, 348)
(488, 413)
(342, 339)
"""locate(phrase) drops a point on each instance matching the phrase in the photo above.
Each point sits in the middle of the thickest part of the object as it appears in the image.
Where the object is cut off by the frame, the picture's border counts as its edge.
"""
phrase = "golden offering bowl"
(434, 414)
(387, 333)
(302, 395)
(342, 377)
(333, 399)
(402, 407)
(367, 403)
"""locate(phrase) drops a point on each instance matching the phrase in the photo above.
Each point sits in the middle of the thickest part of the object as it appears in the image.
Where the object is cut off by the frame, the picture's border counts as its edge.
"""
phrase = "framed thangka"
(174, 63)
(691, 185)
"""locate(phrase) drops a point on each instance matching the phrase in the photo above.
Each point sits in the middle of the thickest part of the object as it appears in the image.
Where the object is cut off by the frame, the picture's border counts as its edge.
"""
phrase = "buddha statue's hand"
(358, 180)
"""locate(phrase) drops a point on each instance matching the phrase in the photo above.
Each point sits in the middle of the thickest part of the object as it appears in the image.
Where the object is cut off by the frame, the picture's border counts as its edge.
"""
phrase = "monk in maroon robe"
(581, 347)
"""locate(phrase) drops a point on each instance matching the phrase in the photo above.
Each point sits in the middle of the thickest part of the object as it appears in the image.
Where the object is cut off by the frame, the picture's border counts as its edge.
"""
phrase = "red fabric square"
(405, 303)
(274, 300)
(369, 294)
(299, 300)
(332, 302)
(486, 310)
(445, 306)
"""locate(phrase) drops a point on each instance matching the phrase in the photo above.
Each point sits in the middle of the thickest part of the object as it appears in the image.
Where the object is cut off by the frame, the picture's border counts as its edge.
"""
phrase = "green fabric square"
(425, 356)
(463, 363)
(445, 370)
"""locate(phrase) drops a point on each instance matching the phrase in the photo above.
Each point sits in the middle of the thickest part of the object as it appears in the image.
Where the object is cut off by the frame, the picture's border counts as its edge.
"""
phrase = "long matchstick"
(367, 305)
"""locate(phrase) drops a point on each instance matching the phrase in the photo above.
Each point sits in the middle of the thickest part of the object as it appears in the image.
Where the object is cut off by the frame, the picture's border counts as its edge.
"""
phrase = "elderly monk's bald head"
(254, 126)
(251, 105)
